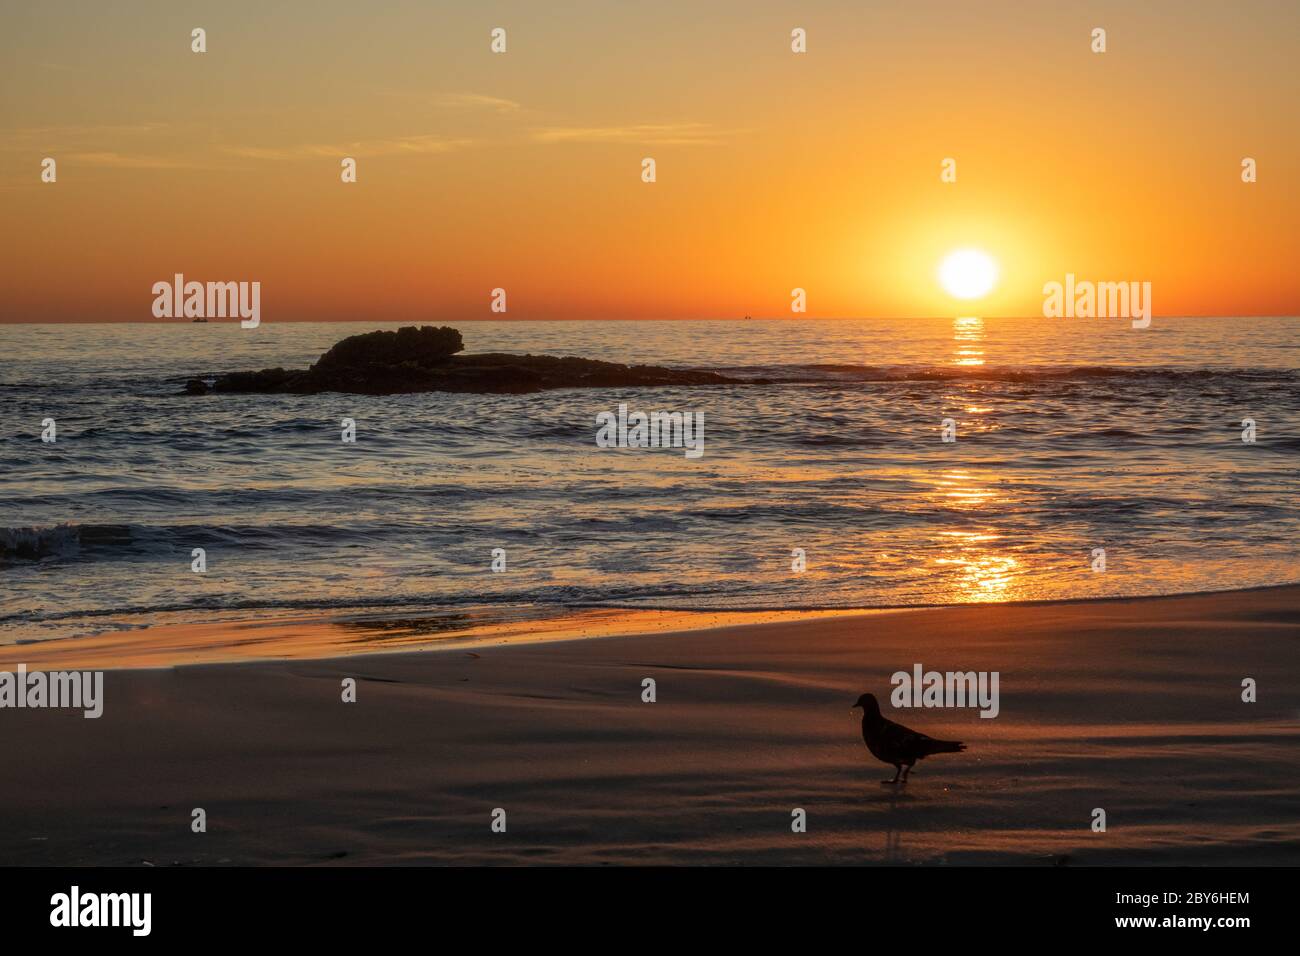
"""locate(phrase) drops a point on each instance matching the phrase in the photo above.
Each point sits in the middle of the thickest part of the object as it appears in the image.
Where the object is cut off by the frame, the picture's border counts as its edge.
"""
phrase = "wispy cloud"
(456, 102)
(63, 137)
(127, 161)
(474, 101)
(666, 134)
(422, 144)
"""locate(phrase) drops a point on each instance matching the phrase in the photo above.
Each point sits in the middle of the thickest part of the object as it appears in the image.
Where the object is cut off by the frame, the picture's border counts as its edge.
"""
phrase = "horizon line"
(760, 318)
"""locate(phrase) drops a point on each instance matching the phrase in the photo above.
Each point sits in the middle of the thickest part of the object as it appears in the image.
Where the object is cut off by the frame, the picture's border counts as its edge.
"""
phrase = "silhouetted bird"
(894, 743)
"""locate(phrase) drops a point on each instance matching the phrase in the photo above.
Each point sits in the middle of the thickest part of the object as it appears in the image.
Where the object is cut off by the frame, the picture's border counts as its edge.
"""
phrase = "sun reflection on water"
(956, 486)
(968, 334)
(977, 573)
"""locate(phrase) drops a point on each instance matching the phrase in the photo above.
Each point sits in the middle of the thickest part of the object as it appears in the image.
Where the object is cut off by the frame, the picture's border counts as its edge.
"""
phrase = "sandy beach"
(1133, 706)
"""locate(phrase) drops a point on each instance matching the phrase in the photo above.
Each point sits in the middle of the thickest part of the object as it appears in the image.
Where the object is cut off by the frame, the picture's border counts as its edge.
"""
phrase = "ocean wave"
(811, 374)
(61, 541)
(541, 602)
(797, 374)
(547, 597)
(107, 541)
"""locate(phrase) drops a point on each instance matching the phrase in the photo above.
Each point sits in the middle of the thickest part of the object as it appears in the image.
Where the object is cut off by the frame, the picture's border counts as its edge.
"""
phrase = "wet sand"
(1133, 706)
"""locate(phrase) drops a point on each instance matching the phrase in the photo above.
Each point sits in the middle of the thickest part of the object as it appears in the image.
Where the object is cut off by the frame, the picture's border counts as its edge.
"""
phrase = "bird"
(896, 744)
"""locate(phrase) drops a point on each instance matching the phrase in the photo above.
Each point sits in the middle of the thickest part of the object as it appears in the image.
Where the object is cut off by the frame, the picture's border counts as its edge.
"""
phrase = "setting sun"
(968, 273)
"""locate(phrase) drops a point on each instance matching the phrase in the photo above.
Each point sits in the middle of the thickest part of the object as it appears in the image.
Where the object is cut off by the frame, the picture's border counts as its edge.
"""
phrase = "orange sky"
(522, 170)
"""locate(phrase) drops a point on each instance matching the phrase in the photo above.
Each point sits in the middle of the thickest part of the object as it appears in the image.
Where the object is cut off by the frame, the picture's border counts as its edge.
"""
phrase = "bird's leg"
(898, 768)
(906, 771)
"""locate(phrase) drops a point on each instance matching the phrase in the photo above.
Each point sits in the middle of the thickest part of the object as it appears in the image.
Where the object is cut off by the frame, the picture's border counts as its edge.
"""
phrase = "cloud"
(665, 134)
(456, 102)
(63, 137)
(422, 144)
(474, 101)
(125, 161)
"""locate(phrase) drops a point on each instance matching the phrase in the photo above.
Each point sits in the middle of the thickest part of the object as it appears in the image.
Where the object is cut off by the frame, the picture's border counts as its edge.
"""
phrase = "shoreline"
(1130, 706)
(325, 637)
(285, 635)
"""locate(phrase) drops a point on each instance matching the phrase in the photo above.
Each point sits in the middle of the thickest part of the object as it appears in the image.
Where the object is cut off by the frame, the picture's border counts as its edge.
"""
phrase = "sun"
(968, 273)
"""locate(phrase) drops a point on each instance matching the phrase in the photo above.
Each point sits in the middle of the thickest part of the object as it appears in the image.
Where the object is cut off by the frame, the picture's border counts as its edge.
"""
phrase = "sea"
(1089, 459)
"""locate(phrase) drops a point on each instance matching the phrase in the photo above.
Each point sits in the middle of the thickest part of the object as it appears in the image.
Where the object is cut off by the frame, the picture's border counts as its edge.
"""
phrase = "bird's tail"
(947, 747)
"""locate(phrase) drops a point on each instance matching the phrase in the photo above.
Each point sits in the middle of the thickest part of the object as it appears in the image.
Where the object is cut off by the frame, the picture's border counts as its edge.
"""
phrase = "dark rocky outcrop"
(425, 347)
(425, 359)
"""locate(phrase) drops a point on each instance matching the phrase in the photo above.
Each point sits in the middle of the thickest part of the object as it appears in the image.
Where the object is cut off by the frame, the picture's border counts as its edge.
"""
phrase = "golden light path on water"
(969, 559)
(981, 574)
(976, 572)
(968, 333)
